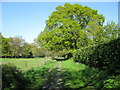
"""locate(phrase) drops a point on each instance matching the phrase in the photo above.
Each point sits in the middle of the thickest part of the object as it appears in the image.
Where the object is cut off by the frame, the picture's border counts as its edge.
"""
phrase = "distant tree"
(4, 46)
(16, 44)
(37, 51)
(0, 44)
(58, 53)
(68, 27)
(26, 50)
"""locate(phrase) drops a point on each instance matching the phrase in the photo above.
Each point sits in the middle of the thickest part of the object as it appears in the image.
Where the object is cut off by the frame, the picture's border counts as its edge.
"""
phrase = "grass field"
(24, 63)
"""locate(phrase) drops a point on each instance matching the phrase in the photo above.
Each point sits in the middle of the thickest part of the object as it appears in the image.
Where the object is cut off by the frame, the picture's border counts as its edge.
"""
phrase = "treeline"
(17, 47)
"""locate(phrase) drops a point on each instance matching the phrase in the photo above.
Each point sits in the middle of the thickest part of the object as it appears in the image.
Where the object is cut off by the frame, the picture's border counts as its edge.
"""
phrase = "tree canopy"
(71, 27)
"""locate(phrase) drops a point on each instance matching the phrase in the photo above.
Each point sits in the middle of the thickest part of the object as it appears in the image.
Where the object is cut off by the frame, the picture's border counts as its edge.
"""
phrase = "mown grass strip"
(70, 64)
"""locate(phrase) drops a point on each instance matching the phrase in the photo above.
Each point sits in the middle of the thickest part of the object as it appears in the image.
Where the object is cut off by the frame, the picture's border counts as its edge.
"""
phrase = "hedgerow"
(103, 56)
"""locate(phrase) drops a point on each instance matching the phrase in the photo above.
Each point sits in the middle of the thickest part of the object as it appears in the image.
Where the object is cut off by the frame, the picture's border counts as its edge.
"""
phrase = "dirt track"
(54, 84)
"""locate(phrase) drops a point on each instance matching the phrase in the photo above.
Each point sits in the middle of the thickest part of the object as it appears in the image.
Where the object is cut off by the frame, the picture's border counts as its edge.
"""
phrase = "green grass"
(24, 63)
(27, 63)
(70, 64)
(50, 63)
(4, 60)
(73, 75)
(81, 77)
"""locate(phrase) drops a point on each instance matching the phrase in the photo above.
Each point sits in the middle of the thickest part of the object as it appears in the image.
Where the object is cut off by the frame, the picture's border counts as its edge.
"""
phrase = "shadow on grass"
(63, 59)
(83, 79)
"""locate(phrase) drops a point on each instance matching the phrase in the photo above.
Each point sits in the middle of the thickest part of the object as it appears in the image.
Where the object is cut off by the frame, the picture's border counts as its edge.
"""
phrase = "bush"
(12, 77)
(112, 82)
(35, 78)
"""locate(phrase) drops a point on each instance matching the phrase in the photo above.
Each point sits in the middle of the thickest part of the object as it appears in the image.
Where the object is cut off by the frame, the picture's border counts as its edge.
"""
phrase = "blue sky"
(27, 19)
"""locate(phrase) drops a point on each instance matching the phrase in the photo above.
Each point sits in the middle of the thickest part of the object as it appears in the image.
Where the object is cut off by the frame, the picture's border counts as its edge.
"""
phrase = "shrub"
(112, 82)
(12, 77)
(35, 78)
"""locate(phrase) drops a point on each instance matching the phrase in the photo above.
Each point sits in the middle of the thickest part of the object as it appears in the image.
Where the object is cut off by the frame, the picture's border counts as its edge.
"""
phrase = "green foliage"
(112, 82)
(68, 27)
(26, 51)
(111, 31)
(37, 51)
(12, 78)
(4, 46)
(58, 54)
(81, 55)
(14, 47)
(104, 56)
(19, 48)
(35, 77)
(73, 76)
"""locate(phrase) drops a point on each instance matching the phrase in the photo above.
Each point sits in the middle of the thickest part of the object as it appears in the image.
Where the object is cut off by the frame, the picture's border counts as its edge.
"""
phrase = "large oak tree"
(71, 27)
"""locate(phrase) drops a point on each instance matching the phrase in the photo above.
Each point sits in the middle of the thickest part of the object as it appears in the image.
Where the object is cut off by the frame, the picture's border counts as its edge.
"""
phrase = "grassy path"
(55, 80)
(55, 74)
(56, 83)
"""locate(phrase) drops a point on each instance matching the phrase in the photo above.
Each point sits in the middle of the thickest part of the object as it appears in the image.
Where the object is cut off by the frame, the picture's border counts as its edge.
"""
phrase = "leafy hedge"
(104, 56)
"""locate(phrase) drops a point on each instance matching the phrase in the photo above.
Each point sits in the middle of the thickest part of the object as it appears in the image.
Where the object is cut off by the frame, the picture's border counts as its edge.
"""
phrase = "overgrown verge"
(14, 78)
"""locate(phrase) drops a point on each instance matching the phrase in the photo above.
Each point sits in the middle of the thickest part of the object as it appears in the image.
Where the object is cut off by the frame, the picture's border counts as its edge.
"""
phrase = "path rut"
(56, 83)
